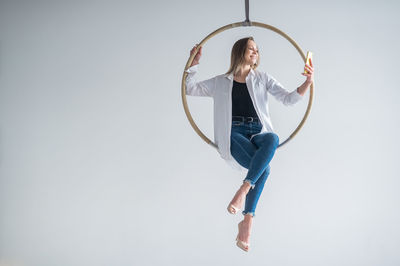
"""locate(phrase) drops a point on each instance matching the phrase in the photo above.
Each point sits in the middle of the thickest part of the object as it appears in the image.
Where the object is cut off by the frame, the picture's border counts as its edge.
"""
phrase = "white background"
(99, 165)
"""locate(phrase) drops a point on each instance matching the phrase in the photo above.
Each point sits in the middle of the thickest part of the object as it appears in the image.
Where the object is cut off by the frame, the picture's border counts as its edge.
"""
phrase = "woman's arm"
(310, 79)
(280, 93)
(201, 88)
(286, 97)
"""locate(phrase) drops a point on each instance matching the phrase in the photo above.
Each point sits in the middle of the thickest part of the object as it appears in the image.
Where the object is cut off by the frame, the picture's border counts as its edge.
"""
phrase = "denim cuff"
(248, 213)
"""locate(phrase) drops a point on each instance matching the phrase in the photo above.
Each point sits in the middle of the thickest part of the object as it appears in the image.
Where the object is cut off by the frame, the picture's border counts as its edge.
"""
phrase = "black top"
(242, 104)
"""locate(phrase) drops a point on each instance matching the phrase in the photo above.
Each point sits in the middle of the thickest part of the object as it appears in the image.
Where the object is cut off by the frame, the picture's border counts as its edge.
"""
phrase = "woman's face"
(251, 54)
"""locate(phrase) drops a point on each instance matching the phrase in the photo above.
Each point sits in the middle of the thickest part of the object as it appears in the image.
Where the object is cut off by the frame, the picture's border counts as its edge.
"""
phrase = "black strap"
(247, 10)
(247, 22)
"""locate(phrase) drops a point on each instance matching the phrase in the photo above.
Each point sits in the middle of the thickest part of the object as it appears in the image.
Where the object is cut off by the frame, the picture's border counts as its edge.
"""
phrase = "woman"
(242, 127)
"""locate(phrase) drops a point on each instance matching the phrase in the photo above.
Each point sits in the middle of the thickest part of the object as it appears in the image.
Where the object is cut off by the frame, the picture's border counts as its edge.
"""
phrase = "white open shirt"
(220, 89)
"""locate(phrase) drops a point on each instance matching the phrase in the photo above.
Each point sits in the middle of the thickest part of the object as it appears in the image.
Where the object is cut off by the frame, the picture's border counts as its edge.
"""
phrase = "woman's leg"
(254, 194)
(243, 150)
(266, 144)
(254, 155)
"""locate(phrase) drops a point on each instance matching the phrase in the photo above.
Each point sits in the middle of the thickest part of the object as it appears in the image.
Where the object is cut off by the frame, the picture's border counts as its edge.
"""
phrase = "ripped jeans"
(253, 151)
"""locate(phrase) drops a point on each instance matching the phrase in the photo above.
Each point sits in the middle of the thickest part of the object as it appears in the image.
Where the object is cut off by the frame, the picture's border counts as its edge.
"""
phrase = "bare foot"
(244, 232)
(239, 198)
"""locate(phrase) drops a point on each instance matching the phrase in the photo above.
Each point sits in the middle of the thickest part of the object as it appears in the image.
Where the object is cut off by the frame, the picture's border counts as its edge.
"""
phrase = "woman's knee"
(270, 139)
(274, 138)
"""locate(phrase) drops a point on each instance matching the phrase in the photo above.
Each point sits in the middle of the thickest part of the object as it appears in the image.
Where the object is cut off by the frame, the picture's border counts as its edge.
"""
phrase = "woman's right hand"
(196, 58)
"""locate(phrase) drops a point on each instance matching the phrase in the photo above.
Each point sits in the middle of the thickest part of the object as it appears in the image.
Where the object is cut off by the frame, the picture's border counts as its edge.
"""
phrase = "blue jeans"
(253, 152)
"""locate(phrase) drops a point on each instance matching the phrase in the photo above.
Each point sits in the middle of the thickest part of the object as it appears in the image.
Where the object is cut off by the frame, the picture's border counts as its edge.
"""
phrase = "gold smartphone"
(309, 56)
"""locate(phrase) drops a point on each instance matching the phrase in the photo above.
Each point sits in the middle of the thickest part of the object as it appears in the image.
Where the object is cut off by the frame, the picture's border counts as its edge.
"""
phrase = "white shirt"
(220, 89)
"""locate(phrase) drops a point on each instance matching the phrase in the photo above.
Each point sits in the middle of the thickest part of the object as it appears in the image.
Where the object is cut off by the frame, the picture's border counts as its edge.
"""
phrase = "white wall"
(99, 165)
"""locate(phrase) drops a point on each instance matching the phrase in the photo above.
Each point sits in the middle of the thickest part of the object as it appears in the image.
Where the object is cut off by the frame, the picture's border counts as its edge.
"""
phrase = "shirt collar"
(230, 76)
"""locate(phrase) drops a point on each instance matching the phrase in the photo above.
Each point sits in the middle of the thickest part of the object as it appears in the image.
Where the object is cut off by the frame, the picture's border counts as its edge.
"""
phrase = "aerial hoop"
(247, 22)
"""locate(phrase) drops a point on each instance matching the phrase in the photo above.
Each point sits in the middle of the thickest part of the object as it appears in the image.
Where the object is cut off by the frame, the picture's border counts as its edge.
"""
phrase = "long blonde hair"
(237, 56)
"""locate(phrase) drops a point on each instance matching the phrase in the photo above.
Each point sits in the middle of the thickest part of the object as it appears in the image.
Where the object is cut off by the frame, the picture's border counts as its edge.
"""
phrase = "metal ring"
(224, 28)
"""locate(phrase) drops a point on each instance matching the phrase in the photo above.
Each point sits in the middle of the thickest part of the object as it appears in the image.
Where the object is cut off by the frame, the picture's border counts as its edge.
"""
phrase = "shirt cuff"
(296, 95)
(192, 69)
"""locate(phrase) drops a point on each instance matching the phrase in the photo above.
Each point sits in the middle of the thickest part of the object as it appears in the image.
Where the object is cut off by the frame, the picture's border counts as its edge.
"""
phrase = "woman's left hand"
(310, 75)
